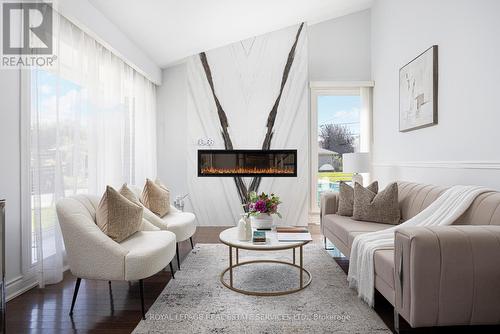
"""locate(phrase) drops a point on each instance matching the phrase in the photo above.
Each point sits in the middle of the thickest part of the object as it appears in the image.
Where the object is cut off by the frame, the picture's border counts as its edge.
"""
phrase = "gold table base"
(302, 284)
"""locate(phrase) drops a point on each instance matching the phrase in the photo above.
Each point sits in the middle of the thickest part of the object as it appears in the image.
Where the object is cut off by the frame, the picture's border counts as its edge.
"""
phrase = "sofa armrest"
(328, 205)
(447, 275)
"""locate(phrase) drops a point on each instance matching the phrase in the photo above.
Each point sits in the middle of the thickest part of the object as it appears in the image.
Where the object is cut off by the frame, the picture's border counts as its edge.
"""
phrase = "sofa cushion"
(181, 224)
(148, 253)
(346, 197)
(381, 208)
(341, 226)
(384, 265)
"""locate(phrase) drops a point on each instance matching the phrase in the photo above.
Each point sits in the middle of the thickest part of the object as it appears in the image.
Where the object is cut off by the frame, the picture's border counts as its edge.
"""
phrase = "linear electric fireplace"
(281, 163)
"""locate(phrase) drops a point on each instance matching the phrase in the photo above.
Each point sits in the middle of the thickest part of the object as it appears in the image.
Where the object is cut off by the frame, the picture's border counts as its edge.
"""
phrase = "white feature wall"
(463, 147)
(247, 78)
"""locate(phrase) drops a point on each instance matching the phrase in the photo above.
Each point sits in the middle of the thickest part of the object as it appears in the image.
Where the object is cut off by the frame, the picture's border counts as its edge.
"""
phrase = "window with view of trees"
(338, 133)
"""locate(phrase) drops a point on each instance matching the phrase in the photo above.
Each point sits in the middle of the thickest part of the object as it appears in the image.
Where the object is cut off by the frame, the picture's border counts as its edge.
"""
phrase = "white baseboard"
(20, 285)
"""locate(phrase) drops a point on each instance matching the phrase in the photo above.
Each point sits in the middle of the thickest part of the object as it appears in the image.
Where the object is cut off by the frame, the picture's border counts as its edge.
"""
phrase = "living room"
(250, 166)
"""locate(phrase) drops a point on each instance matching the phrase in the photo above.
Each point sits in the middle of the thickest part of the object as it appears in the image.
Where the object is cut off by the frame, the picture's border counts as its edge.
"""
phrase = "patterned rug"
(196, 302)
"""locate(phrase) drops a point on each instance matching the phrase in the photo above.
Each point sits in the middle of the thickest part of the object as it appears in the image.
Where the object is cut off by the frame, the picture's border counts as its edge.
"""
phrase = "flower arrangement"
(263, 203)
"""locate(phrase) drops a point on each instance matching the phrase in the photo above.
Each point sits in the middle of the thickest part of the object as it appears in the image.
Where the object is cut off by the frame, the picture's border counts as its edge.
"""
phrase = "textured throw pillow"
(117, 216)
(129, 194)
(346, 197)
(156, 198)
(380, 208)
(147, 216)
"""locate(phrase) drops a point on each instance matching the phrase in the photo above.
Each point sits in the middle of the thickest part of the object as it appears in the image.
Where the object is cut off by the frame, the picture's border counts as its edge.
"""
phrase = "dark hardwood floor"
(116, 309)
(99, 308)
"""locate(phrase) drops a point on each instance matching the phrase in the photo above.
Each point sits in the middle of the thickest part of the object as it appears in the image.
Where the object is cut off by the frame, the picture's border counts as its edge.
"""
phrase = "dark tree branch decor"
(240, 185)
(254, 185)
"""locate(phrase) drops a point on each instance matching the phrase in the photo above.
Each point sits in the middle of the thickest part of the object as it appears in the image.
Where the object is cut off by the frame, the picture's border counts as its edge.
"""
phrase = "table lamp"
(356, 163)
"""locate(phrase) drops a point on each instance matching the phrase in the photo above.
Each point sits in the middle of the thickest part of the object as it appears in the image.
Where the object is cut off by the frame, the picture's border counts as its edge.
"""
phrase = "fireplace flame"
(247, 170)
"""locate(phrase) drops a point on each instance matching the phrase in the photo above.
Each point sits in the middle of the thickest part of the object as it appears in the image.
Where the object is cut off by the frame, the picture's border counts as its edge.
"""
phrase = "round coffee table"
(229, 237)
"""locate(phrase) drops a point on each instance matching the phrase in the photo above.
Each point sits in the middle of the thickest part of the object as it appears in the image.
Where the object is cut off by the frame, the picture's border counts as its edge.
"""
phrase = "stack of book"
(259, 237)
(293, 233)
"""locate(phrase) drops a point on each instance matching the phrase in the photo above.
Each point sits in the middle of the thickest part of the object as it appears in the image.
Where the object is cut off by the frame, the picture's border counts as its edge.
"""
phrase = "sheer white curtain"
(92, 124)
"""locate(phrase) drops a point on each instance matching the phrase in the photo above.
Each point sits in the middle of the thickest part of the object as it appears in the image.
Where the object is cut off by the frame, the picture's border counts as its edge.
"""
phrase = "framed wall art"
(418, 87)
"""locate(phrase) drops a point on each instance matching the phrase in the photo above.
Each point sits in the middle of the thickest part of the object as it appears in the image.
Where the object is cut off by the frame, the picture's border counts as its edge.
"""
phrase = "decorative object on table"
(259, 237)
(248, 227)
(346, 197)
(179, 202)
(261, 209)
(418, 87)
(293, 233)
(294, 236)
(244, 228)
(356, 163)
(291, 229)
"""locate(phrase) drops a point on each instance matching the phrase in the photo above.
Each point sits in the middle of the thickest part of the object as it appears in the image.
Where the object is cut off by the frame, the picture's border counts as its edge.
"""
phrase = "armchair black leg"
(178, 258)
(141, 288)
(171, 270)
(191, 240)
(75, 293)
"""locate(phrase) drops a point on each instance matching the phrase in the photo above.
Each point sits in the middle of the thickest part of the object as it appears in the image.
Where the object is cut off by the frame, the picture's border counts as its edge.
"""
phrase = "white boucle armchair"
(91, 254)
(182, 224)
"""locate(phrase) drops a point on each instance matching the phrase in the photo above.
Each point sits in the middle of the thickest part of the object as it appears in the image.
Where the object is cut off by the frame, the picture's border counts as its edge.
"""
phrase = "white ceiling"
(170, 30)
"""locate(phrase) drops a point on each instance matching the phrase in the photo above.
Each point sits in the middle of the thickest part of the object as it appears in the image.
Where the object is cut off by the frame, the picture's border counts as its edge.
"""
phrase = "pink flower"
(260, 206)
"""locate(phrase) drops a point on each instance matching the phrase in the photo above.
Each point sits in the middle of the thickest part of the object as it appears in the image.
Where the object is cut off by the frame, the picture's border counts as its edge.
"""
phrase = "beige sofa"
(435, 276)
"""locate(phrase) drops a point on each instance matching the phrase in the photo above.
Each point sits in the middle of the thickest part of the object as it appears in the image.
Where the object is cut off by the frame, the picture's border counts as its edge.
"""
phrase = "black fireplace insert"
(277, 163)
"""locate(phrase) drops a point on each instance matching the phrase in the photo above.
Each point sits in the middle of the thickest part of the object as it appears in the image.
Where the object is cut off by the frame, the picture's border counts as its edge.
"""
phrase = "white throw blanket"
(446, 209)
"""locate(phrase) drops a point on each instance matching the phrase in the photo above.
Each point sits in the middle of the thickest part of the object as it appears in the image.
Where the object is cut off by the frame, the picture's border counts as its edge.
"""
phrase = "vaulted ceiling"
(170, 30)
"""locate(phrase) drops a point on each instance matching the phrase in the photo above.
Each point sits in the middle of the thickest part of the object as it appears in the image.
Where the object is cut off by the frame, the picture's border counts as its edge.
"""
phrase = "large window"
(59, 133)
(92, 123)
(339, 124)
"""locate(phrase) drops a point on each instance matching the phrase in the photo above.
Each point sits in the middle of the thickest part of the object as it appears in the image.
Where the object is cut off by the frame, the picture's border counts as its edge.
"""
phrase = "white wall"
(10, 170)
(339, 49)
(172, 130)
(463, 147)
(10, 155)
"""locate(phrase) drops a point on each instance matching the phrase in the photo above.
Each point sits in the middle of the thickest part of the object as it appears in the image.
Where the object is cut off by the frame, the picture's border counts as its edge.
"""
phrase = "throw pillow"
(346, 197)
(117, 216)
(129, 194)
(156, 198)
(380, 208)
(148, 216)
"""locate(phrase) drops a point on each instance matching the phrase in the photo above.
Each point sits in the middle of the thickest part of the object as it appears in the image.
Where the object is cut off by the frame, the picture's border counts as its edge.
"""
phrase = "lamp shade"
(356, 162)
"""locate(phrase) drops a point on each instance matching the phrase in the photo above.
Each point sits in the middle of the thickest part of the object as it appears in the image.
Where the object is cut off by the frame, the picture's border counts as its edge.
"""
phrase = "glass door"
(339, 125)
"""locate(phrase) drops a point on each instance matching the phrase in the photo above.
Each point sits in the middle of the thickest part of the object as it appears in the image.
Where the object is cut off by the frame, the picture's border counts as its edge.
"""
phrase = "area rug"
(196, 302)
